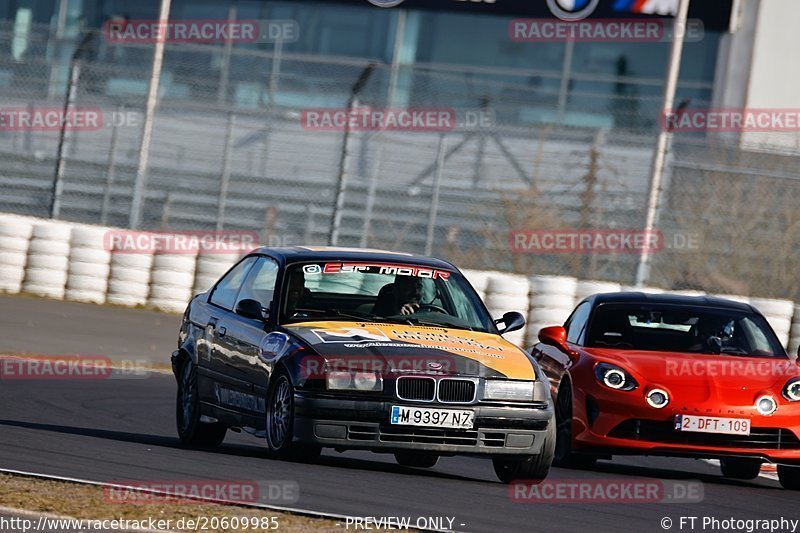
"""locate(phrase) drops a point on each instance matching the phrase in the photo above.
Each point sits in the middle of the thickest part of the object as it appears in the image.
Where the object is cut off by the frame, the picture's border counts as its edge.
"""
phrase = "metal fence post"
(371, 192)
(58, 179)
(341, 181)
(225, 68)
(566, 74)
(112, 168)
(657, 169)
(437, 178)
(137, 201)
(275, 71)
(226, 171)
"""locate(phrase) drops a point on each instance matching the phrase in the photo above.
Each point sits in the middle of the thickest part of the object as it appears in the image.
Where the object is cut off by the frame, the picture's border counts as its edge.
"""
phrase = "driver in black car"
(402, 297)
(297, 295)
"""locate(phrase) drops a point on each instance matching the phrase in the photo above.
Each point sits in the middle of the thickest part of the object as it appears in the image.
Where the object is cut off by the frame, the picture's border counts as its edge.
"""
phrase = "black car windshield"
(682, 328)
(381, 292)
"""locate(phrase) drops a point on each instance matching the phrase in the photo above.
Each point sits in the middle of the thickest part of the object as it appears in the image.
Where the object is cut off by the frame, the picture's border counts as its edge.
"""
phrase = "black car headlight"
(792, 390)
(501, 389)
(614, 377)
(354, 381)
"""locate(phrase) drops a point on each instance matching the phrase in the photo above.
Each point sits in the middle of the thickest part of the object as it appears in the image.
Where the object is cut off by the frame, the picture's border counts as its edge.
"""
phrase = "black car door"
(244, 336)
(218, 383)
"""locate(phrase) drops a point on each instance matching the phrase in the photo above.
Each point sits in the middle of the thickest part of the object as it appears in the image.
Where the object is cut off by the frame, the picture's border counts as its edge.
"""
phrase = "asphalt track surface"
(112, 430)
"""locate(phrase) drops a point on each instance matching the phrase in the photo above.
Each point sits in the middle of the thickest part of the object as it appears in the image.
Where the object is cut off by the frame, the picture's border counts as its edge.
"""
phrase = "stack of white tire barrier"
(479, 279)
(15, 235)
(508, 292)
(589, 288)
(172, 280)
(210, 267)
(779, 315)
(552, 301)
(48, 260)
(129, 280)
(794, 338)
(89, 265)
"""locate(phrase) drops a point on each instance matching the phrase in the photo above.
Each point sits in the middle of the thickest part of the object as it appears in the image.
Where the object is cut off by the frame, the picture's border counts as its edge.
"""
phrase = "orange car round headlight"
(766, 405)
(614, 377)
(658, 398)
(792, 390)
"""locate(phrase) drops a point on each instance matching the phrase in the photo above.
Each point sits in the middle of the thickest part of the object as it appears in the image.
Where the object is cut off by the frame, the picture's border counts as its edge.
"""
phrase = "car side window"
(577, 323)
(227, 289)
(260, 284)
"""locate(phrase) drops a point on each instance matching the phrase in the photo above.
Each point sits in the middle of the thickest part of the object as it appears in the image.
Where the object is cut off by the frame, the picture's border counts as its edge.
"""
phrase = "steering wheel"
(433, 308)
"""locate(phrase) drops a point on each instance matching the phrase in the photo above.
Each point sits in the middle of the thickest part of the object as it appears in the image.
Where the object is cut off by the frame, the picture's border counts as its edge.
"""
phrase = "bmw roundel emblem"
(386, 3)
(572, 10)
(312, 269)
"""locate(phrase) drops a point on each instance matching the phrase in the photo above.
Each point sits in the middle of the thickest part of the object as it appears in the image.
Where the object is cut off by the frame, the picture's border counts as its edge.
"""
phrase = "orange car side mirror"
(556, 336)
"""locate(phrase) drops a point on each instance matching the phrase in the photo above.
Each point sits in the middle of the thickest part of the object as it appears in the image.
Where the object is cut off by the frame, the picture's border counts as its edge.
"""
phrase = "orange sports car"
(635, 373)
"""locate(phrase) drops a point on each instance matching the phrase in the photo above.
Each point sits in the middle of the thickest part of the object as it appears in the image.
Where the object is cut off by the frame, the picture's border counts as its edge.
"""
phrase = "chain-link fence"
(230, 149)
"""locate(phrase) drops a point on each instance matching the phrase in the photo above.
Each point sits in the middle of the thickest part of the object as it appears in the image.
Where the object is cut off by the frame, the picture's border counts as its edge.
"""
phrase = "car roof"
(297, 254)
(634, 297)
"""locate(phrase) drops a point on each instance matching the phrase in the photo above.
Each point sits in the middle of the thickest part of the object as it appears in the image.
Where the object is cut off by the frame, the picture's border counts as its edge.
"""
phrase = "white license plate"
(437, 418)
(711, 424)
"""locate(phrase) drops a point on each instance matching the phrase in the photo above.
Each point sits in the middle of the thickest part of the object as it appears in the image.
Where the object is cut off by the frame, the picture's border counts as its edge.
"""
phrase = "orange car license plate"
(712, 424)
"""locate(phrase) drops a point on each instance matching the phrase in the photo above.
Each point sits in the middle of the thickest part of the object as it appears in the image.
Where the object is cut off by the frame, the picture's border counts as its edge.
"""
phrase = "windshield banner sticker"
(378, 268)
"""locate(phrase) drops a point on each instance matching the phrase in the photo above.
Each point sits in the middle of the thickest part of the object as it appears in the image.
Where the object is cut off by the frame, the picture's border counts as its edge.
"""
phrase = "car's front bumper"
(613, 423)
(364, 424)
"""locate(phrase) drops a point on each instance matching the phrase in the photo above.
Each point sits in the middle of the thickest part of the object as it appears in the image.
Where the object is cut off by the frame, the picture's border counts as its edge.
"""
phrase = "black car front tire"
(191, 430)
(531, 468)
(564, 456)
(280, 422)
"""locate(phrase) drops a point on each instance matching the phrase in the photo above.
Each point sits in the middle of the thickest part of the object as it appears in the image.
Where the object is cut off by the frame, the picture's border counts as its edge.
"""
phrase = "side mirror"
(556, 336)
(250, 309)
(513, 321)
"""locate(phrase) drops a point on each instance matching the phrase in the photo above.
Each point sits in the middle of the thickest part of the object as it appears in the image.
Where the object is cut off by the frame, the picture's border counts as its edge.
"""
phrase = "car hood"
(703, 376)
(415, 349)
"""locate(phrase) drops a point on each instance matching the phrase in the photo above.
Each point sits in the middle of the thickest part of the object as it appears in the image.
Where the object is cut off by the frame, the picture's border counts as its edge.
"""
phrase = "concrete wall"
(757, 67)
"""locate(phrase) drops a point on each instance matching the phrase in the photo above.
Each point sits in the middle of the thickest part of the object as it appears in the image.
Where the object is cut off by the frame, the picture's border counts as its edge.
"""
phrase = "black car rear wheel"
(417, 460)
(564, 456)
(740, 468)
(789, 477)
(280, 422)
(191, 430)
(529, 468)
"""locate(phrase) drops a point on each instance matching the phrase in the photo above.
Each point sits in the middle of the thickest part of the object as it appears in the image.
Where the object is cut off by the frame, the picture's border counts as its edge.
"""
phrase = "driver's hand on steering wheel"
(409, 309)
